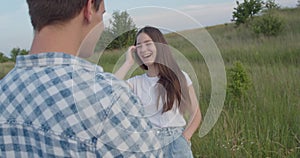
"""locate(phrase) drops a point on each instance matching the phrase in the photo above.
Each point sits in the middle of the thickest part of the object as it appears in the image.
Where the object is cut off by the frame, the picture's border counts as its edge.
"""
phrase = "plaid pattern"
(58, 105)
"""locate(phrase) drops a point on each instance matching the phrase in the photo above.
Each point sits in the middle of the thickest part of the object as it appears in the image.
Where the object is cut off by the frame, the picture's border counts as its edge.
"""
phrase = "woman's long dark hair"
(174, 85)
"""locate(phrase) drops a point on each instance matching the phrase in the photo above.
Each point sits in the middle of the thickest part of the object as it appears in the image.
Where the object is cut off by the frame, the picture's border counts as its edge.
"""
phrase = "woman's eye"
(138, 46)
(148, 44)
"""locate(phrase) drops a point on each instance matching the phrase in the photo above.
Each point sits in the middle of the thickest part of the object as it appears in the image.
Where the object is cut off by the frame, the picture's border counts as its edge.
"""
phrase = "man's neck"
(64, 38)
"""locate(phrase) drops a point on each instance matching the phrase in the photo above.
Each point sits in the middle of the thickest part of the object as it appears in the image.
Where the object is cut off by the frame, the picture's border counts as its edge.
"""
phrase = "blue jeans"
(179, 148)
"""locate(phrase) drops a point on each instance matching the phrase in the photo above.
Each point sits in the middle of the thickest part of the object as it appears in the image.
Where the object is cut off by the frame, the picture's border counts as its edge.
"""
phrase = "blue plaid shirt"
(58, 105)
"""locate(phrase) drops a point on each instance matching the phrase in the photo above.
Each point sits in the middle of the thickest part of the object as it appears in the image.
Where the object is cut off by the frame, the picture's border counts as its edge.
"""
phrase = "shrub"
(238, 82)
(3, 58)
(17, 51)
(268, 25)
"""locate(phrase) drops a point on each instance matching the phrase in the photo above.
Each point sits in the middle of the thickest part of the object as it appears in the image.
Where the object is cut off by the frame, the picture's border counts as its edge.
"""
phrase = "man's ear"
(88, 10)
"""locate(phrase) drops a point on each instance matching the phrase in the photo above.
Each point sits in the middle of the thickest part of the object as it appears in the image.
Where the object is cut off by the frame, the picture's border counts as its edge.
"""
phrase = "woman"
(165, 91)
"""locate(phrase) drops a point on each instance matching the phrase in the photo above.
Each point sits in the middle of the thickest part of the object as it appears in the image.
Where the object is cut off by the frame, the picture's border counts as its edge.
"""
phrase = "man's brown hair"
(48, 12)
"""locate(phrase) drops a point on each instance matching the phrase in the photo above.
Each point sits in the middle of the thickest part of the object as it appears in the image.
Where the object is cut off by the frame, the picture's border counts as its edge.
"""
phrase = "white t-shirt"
(145, 88)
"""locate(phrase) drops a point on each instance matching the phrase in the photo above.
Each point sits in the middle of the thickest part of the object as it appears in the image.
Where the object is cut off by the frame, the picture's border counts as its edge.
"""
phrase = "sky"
(173, 15)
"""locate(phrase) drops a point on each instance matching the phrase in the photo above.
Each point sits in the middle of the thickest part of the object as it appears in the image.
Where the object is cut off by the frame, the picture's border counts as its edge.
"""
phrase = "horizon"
(175, 15)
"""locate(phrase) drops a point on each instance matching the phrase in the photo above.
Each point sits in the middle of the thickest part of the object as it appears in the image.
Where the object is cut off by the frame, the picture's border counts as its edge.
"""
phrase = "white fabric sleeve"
(188, 79)
(132, 82)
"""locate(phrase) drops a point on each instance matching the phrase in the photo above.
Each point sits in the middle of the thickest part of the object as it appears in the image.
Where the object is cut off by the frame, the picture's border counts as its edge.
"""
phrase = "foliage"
(106, 41)
(298, 4)
(268, 25)
(245, 11)
(3, 58)
(17, 51)
(13, 53)
(271, 4)
(239, 82)
(121, 32)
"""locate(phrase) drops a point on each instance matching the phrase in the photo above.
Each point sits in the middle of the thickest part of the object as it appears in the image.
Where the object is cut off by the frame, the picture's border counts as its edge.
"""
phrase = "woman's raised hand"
(129, 55)
(122, 71)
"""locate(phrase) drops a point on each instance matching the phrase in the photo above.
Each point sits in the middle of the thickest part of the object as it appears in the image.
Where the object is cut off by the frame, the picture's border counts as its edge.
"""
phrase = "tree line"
(13, 55)
(119, 34)
(258, 15)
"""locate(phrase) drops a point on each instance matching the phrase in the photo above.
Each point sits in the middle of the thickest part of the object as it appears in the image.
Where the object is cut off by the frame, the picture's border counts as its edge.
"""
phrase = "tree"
(121, 32)
(105, 41)
(271, 4)
(298, 5)
(17, 51)
(3, 58)
(245, 11)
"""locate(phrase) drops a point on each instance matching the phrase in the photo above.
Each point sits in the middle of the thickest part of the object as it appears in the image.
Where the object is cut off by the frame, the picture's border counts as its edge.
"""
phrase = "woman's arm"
(121, 73)
(195, 115)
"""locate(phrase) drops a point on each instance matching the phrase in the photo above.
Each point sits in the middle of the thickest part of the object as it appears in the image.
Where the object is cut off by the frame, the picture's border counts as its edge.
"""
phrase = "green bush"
(268, 25)
(3, 58)
(238, 82)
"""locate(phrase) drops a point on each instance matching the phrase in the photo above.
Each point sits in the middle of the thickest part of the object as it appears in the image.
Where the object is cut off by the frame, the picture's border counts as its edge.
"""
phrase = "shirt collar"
(52, 59)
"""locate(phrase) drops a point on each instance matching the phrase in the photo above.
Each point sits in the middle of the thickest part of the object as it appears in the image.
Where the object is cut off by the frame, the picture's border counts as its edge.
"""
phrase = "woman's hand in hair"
(130, 56)
(122, 71)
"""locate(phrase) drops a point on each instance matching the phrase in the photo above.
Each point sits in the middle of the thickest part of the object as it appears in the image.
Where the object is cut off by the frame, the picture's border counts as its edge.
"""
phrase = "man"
(54, 104)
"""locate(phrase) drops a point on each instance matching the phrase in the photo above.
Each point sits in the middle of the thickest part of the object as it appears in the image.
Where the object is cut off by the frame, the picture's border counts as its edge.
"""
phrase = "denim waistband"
(168, 131)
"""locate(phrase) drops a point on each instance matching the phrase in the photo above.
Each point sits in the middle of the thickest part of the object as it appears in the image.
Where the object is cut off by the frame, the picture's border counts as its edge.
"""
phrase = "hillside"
(242, 44)
(234, 44)
(265, 122)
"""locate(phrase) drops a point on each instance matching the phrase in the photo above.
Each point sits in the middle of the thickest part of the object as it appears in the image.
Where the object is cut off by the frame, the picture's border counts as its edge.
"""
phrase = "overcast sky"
(174, 15)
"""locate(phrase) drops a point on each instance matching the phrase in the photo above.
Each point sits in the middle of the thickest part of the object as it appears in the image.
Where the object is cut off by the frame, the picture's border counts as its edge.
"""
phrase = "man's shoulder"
(111, 79)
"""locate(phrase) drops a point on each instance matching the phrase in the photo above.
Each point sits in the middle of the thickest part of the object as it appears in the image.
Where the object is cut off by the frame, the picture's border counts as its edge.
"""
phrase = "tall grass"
(266, 122)
(5, 68)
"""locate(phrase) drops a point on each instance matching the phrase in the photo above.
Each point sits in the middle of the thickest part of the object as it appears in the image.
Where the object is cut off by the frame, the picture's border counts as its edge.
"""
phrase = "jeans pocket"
(189, 143)
(179, 149)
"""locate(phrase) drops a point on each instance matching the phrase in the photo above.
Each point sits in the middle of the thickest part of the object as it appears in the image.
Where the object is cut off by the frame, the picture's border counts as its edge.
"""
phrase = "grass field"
(5, 68)
(266, 122)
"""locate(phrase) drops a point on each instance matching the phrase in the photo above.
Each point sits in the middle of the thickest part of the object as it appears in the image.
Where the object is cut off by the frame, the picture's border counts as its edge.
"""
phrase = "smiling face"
(146, 49)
